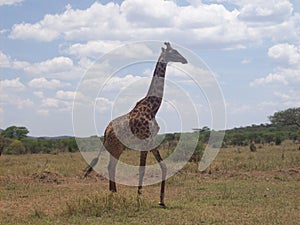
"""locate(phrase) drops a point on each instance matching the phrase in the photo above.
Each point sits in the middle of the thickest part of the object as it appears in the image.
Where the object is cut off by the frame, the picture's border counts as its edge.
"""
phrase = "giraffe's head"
(170, 54)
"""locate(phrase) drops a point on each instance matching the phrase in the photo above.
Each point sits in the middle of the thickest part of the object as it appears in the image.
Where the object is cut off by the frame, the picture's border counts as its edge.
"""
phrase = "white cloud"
(119, 83)
(4, 60)
(92, 48)
(14, 84)
(43, 112)
(39, 94)
(287, 58)
(147, 13)
(55, 105)
(43, 83)
(67, 95)
(7, 62)
(289, 98)
(50, 102)
(207, 25)
(9, 99)
(95, 49)
(72, 24)
(273, 11)
(19, 65)
(114, 84)
(25, 31)
(57, 67)
(270, 79)
(10, 2)
(246, 61)
(285, 74)
(285, 53)
(51, 66)
(103, 104)
(23, 103)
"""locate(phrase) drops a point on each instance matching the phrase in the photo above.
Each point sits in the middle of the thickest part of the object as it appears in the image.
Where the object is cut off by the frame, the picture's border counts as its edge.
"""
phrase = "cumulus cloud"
(25, 31)
(270, 79)
(274, 11)
(51, 66)
(7, 62)
(59, 67)
(203, 25)
(68, 95)
(50, 102)
(55, 104)
(92, 48)
(4, 60)
(72, 24)
(287, 72)
(289, 98)
(287, 58)
(10, 2)
(43, 83)
(13, 84)
(39, 94)
(114, 84)
(16, 101)
(285, 53)
(103, 105)
(95, 49)
(43, 112)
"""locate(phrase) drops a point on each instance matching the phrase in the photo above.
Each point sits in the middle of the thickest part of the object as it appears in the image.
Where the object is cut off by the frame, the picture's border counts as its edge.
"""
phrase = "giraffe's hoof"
(162, 205)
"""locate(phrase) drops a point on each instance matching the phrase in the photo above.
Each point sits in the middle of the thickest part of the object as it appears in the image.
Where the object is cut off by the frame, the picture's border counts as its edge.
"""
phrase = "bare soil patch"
(48, 177)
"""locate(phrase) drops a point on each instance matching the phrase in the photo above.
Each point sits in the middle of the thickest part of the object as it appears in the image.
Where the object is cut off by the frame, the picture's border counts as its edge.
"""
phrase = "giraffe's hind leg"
(115, 149)
(142, 168)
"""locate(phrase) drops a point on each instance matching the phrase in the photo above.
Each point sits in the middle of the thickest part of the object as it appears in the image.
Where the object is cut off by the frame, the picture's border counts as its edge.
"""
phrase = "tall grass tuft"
(101, 204)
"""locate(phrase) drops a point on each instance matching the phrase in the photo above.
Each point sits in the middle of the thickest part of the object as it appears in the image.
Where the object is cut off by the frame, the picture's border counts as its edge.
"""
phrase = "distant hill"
(51, 138)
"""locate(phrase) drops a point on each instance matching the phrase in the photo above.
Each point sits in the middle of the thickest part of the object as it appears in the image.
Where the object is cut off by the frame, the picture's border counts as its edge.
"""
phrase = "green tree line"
(285, 125)
(14, 140)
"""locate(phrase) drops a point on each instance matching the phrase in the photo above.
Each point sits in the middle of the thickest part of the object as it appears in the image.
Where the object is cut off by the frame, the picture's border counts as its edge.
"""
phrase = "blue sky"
(252, 47)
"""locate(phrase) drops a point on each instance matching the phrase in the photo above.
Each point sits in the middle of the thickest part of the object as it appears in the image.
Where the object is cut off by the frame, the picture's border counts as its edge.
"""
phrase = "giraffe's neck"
(151, 103)
(156, 88)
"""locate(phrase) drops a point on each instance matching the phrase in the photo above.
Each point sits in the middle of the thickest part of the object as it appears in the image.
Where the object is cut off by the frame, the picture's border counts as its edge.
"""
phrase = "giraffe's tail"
(94, 162)
(90, 167)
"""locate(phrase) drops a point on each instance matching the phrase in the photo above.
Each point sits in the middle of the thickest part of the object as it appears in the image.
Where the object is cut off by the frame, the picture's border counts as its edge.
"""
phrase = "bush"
(278, 140)
(15, 148)
(252, 147)
(4, 143)
(197, 155)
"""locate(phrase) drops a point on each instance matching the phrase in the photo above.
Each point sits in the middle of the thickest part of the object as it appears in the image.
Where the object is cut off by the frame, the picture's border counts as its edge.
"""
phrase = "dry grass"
(240, 187)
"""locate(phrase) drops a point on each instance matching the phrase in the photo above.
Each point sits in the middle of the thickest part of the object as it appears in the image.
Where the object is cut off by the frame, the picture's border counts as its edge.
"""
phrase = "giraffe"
(138, 128)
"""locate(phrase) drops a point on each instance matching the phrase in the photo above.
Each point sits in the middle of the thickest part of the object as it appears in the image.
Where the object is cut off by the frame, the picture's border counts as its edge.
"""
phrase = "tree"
(289, 117)
(15, 132)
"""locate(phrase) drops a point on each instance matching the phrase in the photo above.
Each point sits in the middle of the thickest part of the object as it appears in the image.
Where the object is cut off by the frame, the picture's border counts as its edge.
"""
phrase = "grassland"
(240, 187)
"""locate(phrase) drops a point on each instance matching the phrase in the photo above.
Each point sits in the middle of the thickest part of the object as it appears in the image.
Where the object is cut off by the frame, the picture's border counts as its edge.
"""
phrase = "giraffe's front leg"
(164, 174)
(142, 168)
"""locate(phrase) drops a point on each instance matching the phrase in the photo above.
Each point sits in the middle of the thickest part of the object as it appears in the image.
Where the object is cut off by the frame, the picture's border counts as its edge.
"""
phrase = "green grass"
(240, 187)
